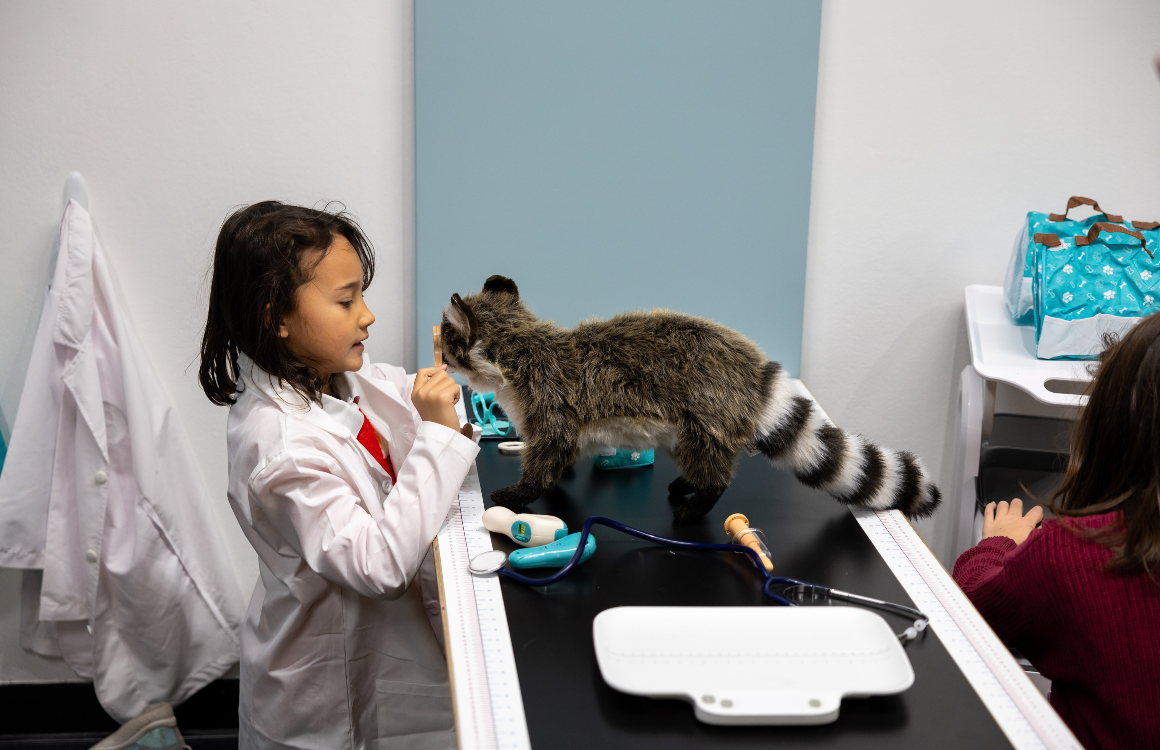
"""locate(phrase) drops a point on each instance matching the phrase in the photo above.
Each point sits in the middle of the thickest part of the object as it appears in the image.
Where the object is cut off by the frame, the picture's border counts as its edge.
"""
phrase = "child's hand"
(1009, 521)
(435, 395)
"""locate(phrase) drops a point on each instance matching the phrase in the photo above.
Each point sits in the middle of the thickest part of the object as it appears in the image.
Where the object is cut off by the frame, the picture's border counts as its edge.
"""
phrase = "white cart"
(1000, 352)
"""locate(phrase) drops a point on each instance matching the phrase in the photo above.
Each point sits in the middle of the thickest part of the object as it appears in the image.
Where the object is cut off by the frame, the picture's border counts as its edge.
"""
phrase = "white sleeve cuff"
(468, 448)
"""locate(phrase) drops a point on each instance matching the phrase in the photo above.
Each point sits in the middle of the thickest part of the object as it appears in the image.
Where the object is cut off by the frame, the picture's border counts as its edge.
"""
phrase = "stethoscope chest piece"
(487, 562)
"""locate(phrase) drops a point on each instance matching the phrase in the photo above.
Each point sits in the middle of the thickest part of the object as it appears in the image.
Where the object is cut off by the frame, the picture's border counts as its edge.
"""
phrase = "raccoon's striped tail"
(793, 431)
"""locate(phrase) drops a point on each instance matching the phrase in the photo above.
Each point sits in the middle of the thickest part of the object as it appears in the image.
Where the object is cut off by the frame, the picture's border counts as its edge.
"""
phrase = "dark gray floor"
(204, 740)
(67, 715)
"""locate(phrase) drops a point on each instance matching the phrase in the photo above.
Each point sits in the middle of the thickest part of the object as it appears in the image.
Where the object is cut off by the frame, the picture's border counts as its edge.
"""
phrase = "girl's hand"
(1009, 521)
(435, 395)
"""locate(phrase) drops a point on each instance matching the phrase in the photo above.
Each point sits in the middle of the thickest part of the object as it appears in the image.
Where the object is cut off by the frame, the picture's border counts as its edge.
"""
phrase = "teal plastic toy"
(483, 406)
(554, 555)
(622, 458)
(522, 532)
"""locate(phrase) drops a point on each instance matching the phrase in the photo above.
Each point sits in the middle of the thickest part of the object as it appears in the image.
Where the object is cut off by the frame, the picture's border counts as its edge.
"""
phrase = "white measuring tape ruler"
(489, 709)
(1018, 707)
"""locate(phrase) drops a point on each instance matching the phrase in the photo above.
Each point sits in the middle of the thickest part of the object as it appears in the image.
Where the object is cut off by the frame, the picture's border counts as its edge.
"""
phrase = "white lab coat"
(341, 648)
(103, 504)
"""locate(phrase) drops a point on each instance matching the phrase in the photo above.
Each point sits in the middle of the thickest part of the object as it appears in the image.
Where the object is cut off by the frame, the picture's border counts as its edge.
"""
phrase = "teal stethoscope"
(494, 561)
(482, 405)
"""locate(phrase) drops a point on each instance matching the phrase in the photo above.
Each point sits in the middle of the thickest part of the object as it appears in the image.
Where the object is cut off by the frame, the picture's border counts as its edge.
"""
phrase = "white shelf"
(1003, 351)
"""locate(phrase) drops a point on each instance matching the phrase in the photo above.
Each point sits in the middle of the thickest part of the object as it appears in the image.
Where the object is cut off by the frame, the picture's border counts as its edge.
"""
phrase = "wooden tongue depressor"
(737, 527)
(437, 337)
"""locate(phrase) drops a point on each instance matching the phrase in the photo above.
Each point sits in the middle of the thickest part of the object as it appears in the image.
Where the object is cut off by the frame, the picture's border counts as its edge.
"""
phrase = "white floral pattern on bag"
(1076, 284)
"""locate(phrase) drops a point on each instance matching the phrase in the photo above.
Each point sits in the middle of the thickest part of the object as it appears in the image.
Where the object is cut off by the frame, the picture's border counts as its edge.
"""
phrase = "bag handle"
(1045, 238)
(1076, 201)
(1146, 224)
(1103, 226)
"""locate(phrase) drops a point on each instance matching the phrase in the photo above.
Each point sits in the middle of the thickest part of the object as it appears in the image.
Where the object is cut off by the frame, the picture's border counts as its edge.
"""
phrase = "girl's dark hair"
(1115, 452)
(257, 267)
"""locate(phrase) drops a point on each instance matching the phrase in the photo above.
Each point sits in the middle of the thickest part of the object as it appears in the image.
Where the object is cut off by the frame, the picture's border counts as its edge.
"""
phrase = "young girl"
(1080, 596)
(340, 474)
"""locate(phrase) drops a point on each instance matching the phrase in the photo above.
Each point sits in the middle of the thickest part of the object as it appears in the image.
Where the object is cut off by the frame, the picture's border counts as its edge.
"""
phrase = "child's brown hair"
(257, 268)
(1115, 452)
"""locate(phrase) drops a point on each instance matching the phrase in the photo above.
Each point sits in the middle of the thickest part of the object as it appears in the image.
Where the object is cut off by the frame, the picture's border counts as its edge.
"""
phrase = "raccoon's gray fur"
(660, 378)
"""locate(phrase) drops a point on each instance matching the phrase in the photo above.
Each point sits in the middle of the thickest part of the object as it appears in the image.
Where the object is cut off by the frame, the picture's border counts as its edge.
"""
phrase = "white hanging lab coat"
(341, 646)
(103, 504)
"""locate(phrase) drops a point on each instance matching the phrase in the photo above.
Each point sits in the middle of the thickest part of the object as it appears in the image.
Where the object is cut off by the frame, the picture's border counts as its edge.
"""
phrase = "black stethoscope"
(495, 561)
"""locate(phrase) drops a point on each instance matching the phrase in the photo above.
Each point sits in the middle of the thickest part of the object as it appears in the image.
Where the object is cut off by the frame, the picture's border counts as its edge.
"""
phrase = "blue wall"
(617, 155)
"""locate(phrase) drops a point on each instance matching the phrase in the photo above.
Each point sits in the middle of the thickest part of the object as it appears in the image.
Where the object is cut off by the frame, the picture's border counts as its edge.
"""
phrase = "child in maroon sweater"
(1079, 595)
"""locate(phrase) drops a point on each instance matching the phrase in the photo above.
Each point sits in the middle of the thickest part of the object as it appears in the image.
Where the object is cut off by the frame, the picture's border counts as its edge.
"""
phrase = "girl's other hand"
(435, 395)
(1009, 521)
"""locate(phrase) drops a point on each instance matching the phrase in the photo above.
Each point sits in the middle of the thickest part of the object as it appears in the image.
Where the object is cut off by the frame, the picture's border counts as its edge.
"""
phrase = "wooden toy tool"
(437, 337)
(737, 527)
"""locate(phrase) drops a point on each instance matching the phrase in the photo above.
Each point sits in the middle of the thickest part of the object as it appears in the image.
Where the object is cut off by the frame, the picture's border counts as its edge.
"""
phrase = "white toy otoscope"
(525, 529)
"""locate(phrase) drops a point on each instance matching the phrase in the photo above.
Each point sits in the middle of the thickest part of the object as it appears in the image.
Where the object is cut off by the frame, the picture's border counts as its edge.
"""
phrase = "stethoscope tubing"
(766, 587)
(770, 579)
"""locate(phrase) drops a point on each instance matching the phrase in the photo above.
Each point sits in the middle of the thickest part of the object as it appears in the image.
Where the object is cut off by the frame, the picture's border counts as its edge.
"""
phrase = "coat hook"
(76, 189)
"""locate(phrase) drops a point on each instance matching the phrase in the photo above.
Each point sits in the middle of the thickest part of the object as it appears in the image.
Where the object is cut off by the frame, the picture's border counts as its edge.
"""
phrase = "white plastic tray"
(751, 665)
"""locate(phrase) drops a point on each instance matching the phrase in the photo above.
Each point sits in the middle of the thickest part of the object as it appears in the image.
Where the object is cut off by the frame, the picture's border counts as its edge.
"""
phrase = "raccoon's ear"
(468, 317)
(501, 284)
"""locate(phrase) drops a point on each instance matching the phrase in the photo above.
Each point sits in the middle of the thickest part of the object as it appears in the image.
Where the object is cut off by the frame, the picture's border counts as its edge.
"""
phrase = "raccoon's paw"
(515, 496)
(700, 503)
(917, 495)
(680, 487)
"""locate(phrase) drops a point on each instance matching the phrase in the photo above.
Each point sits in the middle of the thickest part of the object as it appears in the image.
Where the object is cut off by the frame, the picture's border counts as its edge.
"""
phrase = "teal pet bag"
(1017, 286)
(1090, 285)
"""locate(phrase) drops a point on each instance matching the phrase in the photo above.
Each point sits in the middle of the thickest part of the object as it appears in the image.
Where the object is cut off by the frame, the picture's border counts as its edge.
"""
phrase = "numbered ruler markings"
(476, 730)
(488, 663)
(511, 729)
(1017, 706)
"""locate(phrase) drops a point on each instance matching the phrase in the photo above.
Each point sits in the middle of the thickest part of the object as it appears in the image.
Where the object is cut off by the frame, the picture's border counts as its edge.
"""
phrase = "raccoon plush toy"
(660, 378)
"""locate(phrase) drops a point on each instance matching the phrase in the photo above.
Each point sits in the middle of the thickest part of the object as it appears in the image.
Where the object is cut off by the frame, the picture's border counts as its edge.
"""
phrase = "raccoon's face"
(471, 330)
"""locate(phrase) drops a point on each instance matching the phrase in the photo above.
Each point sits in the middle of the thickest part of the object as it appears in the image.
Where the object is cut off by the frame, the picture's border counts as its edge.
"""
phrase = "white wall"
(938, 126)
(176, 113)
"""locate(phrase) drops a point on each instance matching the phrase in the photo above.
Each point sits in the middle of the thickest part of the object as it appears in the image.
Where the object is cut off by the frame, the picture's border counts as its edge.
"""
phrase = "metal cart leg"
(968, 437)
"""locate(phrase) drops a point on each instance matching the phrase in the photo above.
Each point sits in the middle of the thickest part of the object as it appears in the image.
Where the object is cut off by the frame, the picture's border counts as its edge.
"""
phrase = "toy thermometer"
(525, 529)
(554, 555)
